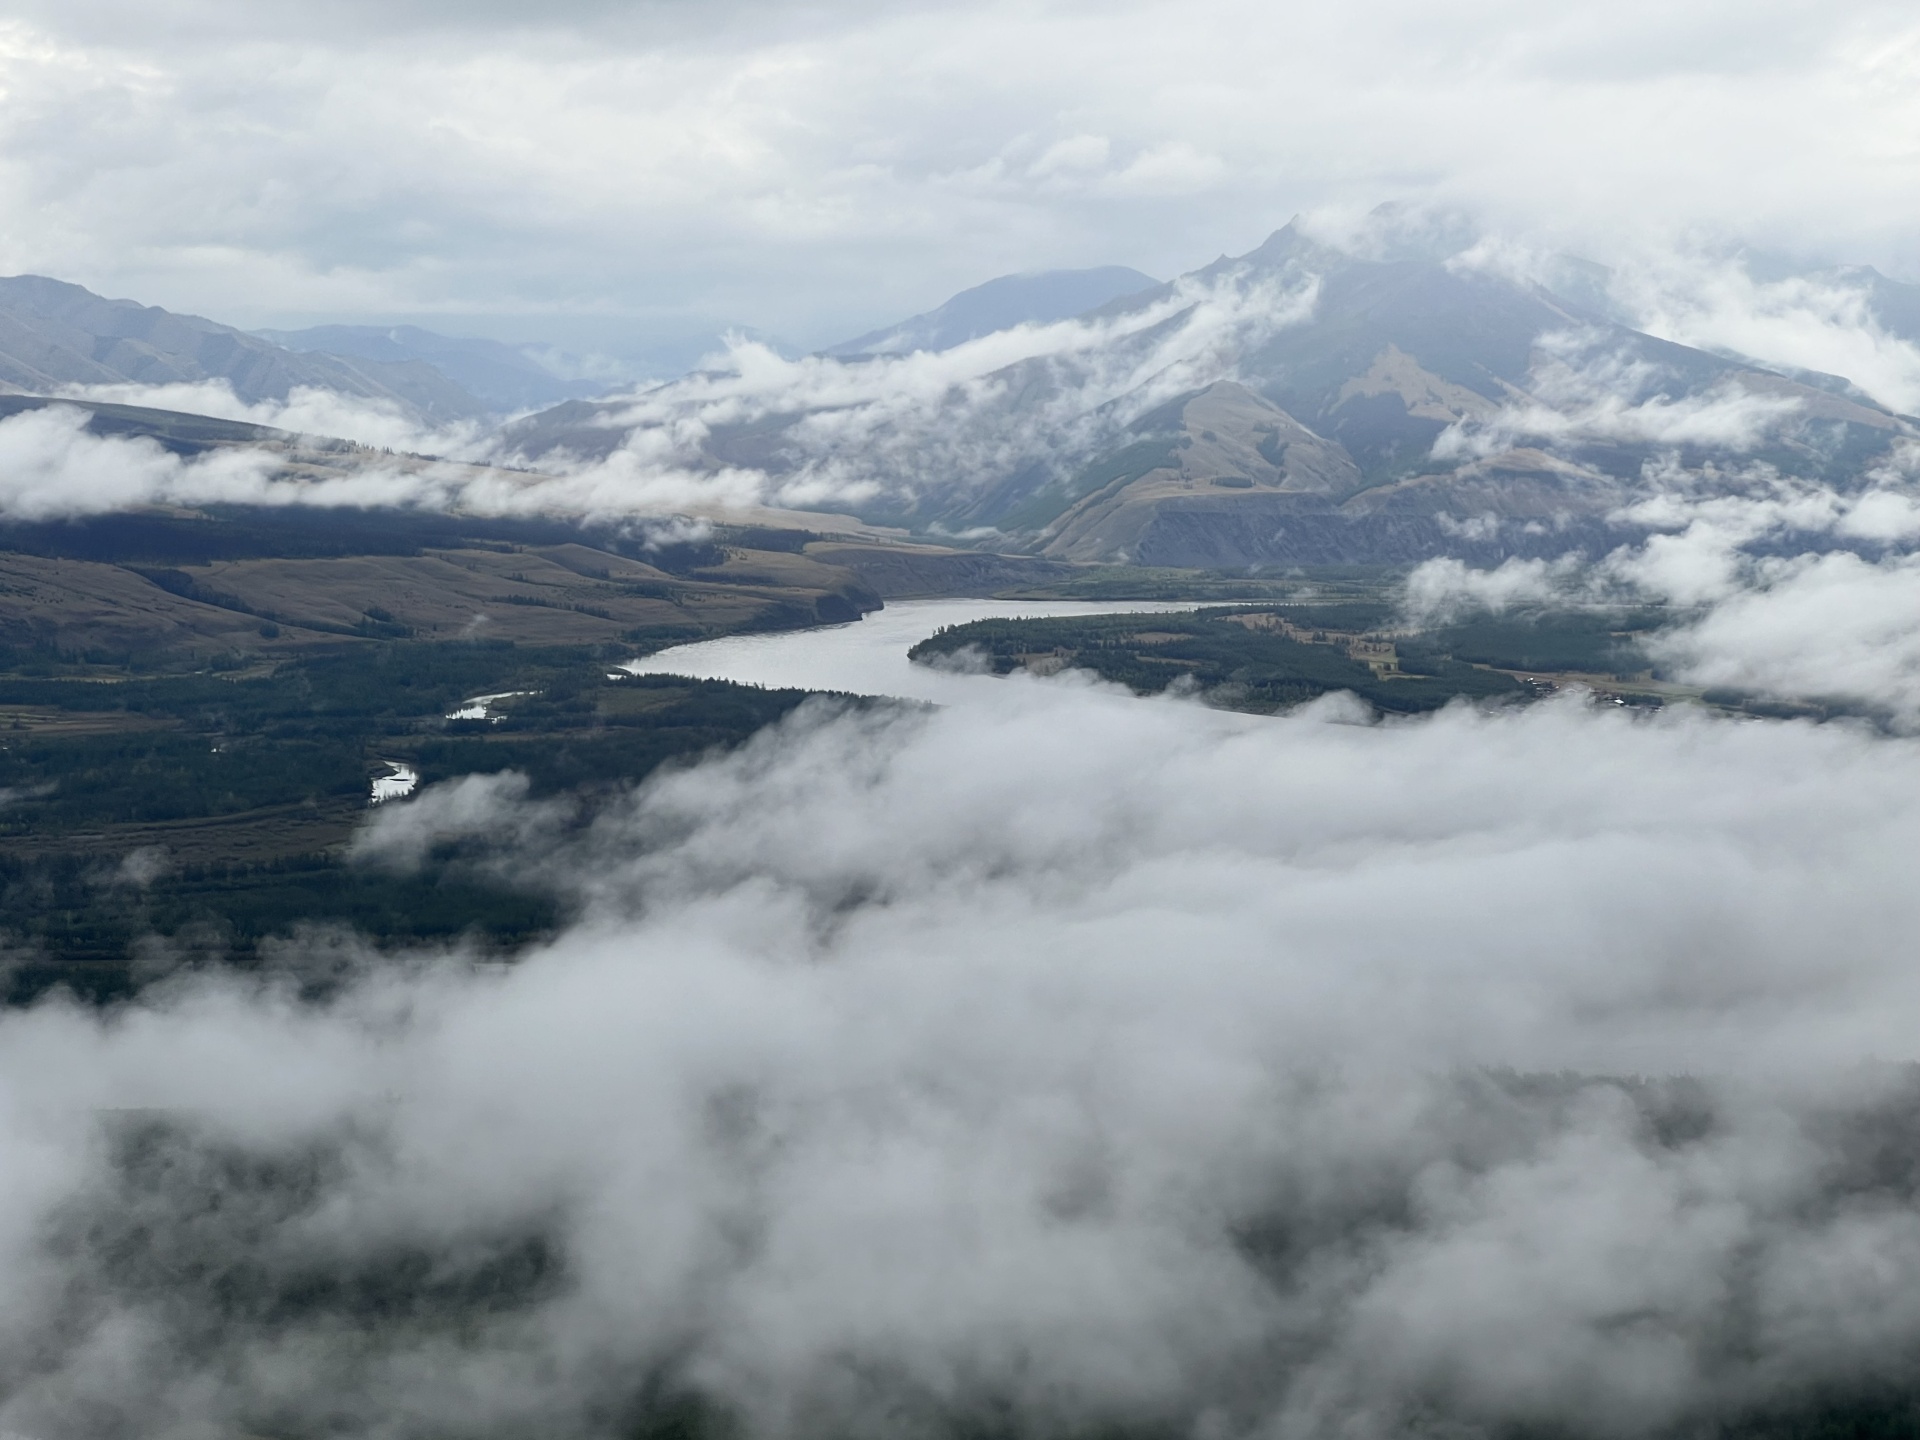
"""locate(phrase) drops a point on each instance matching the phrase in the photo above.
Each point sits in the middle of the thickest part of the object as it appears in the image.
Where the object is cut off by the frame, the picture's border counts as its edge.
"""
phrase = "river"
(869, 657)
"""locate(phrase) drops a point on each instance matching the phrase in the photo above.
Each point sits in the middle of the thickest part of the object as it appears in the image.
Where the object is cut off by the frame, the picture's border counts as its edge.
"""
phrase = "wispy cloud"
(1443, 589)
(960, 419)
(1589, 387)
(53, 466)
(1817, 627)
(307, 410)
(1784, 589)
(1821, 322)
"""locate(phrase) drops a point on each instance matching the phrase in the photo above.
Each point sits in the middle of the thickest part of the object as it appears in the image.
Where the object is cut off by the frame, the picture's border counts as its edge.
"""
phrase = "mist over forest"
(934, 722)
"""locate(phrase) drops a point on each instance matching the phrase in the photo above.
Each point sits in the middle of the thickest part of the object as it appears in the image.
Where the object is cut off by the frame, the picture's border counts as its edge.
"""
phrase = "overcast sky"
(608, 172)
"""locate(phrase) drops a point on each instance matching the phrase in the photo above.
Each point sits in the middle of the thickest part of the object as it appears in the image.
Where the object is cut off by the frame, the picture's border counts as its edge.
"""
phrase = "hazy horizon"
(664, 172)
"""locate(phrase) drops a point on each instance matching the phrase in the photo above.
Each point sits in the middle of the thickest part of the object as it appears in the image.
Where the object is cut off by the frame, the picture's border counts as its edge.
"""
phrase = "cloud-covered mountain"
(504, 376)
(55, 337)
(1000, 305)
(1400, 391)
(1405, 392)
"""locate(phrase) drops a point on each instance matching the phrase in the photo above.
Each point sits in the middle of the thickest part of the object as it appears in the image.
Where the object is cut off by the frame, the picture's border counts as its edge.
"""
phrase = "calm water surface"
(869, 657)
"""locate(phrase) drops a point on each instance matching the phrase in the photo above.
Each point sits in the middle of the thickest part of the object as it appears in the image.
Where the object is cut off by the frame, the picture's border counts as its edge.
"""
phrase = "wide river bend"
(869, 657)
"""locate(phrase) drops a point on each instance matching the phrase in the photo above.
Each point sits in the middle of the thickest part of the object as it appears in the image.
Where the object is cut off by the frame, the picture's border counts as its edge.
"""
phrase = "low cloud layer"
(1031, 395)
(1782, 589)
(754, 426)
(307, 410)
(1822, 322)
(1826, 627)
(875, 429)
(53, 467)
(1586, 391)
(1052, 1061)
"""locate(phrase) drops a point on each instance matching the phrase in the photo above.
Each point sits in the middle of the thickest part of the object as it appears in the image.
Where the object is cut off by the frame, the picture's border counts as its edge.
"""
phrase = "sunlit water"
(869, 657)
(397, 784)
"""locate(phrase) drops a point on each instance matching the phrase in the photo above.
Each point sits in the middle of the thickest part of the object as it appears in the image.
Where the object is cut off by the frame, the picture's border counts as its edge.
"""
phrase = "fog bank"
(1060, 1061)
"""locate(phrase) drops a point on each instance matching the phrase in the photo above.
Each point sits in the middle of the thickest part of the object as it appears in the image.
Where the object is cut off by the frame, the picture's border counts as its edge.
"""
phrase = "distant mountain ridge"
(1000, 305)
(1402, 353)
(54, 335)
(1306, 402)
(1302, 403)
(502, 375)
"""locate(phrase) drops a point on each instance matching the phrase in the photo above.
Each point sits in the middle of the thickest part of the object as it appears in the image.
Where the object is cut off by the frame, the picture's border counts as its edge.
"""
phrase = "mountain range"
(1301, 403)
(504, 378)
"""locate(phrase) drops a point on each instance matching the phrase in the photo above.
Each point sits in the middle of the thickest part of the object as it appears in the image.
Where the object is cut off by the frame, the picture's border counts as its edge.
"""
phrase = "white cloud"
(1585, 389)
(1442, 589)
(893, 425)
(52, 466)
(1058, 1056)
(818, 171)
(1077, 154)
(1814, 623)
(1821, 323)
(1763, 598)
(1821, 627)
(307, 410)
(1171, 169)
(492, 807)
